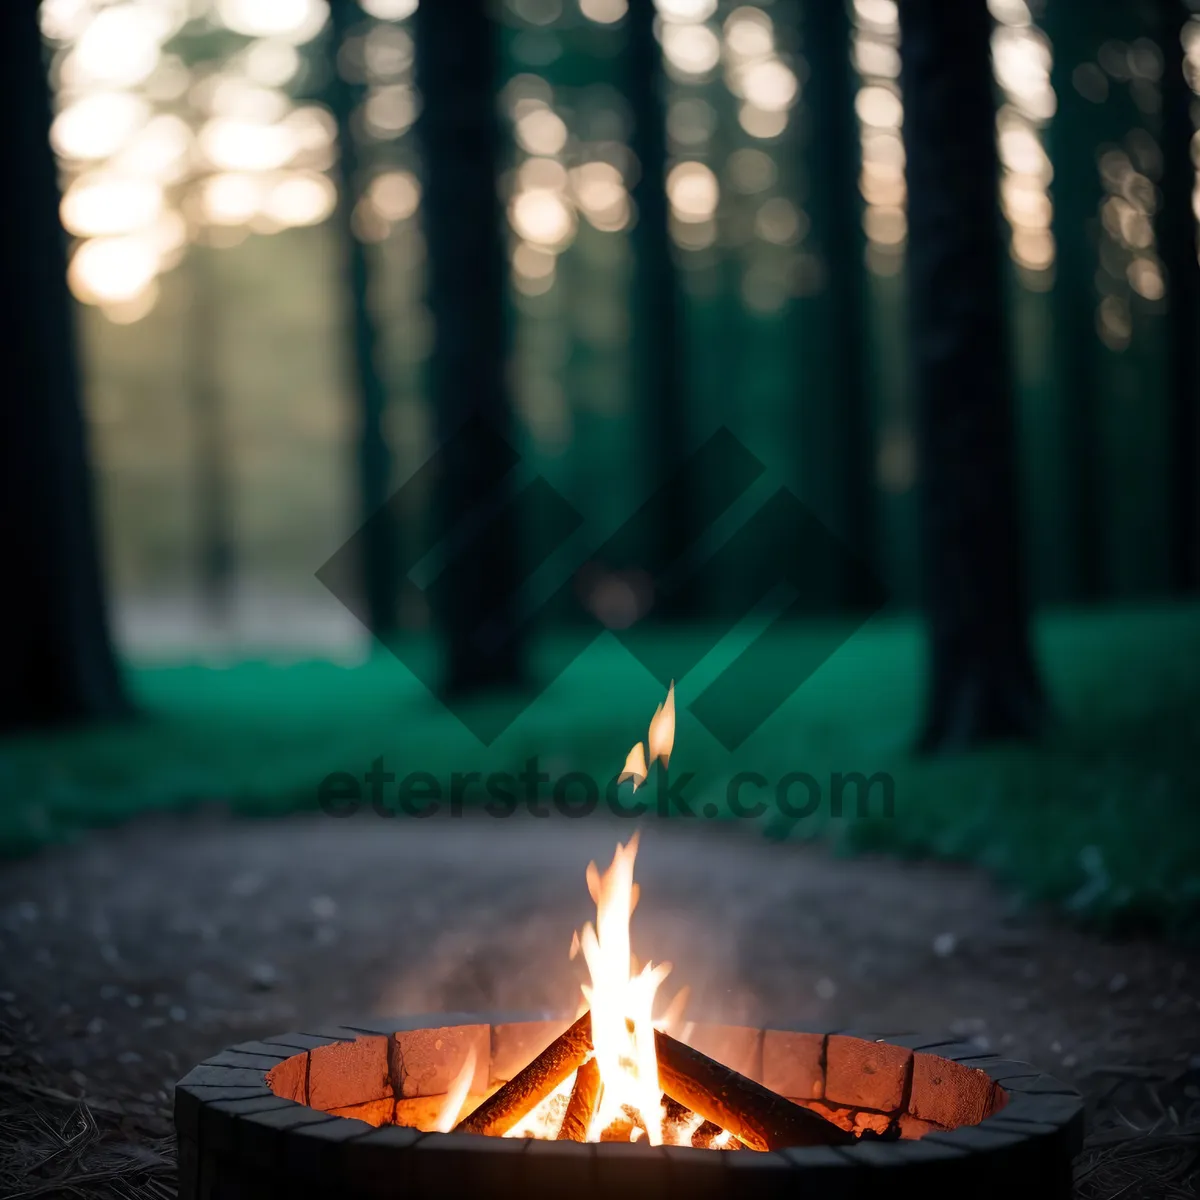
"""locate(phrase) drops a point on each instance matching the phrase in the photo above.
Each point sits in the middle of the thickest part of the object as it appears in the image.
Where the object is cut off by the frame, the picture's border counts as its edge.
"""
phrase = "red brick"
(876, 1121)
(419, 1112)
(912, 1128)
(793, 1064)
(289, 1079)
(374, 1112)
(426, 1061)
(853, 1120)
(516, 1045)
(843, 1118)
(997, 1100)
(865, 1074)
(736, 1046)
(422, 1112)
(948, 1093)
(347, 1073)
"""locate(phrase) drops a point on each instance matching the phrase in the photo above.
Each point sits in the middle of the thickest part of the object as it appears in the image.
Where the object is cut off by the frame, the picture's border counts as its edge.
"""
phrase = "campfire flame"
(456, 1096)
(621, 1046)
(619, 995)
(634, 768)
(621, 1002)
(661, 740)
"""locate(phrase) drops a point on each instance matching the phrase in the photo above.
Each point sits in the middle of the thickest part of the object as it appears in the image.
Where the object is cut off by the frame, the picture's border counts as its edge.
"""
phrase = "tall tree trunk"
(214, 552)
(379, 566)
(456, 63)
(1177, 245)
(657, 316)
(1075, 190)
(983, 681)
(59, 664)
(836, 433)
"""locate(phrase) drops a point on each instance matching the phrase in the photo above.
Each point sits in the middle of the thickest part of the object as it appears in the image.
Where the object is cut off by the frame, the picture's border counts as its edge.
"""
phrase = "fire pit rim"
(225, 1105)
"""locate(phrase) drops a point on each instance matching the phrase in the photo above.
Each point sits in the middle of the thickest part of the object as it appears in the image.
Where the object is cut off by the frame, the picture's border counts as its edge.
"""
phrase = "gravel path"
(126, 959)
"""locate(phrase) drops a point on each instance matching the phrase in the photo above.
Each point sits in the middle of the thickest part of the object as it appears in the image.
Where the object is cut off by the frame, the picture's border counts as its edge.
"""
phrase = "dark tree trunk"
(657, 318)
(836, 435)
(214, 552)
(379, 549)
(59, 665)
(1177, 246)
(983, 681)
(457, 67)
(1075, 190)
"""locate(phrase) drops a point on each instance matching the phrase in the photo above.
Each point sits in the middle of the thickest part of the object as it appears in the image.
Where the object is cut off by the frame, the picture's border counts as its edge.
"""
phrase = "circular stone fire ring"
(335, 1112)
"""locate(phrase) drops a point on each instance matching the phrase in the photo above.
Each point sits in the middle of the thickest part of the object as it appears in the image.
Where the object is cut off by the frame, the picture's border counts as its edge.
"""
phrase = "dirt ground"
(126, 959)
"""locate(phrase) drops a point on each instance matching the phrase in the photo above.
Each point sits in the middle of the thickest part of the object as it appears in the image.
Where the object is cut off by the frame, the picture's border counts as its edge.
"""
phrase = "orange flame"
(621, 1002)
(456, 1095)
(635, 769)
(662, 729)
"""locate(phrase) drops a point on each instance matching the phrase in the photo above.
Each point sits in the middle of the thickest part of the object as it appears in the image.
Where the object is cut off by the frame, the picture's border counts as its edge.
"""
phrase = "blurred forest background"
(199, 148)
(243, 188)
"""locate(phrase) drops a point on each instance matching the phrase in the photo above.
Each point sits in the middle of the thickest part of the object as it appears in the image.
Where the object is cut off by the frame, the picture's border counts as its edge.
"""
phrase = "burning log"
(711, 1137)
(756, 1116)
(580, 1108)
(505, 1107)
(703, 1135)
(624, 1127)
(675, 1115)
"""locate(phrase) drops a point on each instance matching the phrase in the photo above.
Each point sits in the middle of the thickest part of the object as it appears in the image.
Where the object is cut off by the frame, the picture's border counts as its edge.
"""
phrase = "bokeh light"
(389, 10)
(119, 46)
(1190, 40)
(1021, 59)
(271, 62)
(232, 145)
(390, 110)
(105, 203)
(880, 112)
(685, 10)
(159, 151)
(765, 83)
(693, 191)
(543, 217)
(692, 50)
(395, 195)
(600, 193)
(231, 198)
(160, 148)
(109, 269)
(533, 269)
(603, 12)
(541, 131)
(297, 21)
(761, 123)
(97, 125)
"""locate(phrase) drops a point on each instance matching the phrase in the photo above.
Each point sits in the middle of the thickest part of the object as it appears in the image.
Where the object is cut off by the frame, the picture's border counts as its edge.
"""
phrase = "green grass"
(1101, 821)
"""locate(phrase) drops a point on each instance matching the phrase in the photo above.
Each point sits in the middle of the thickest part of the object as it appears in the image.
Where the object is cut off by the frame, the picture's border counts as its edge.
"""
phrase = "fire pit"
(616, 1098)
(347, 1111)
